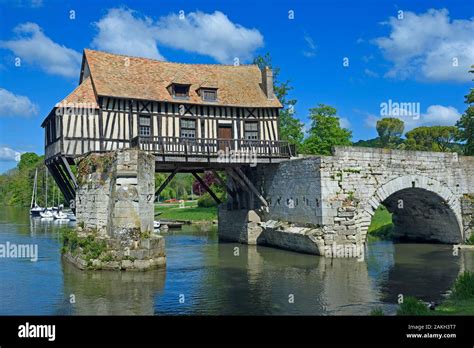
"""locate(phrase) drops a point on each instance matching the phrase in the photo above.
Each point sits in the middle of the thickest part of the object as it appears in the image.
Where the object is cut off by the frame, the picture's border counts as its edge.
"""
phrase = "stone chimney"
(267, 82)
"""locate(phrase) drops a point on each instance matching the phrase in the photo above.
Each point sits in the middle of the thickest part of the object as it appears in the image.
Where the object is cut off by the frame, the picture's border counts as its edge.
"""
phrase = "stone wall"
(96, 186)
(292, 190)
(330, 200)
(467, 208)
(115, 205)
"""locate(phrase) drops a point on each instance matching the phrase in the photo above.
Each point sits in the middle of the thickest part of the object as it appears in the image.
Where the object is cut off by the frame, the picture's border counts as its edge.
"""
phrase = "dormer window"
(209, 94)
(180, 91)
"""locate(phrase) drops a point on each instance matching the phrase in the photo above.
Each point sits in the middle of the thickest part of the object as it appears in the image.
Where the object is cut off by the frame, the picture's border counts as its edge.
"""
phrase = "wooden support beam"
(251, 186)
(238, 181)
(67, 183)
(223, 183)
(213, 195)
(55, 173)
(69, 171)
(165, 183)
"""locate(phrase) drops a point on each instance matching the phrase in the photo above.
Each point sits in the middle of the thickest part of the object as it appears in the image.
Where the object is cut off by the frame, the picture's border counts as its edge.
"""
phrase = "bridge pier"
(324, 205)
(115, 213)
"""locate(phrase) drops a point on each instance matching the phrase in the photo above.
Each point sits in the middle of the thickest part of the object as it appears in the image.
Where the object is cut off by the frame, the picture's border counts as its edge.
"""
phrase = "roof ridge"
(170, 62)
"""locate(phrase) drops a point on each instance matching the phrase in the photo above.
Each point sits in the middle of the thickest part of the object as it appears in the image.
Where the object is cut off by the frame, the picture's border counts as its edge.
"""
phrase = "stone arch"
(416, 189)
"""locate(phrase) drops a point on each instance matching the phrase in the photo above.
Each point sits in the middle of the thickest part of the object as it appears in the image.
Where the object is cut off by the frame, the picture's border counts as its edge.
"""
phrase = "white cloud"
(16, 105)
(344, 122)
(428, 46)
(124, 31)
(27, 3)
(435, 115)
(209, 34)
(310, 50)
(34, 47)
(370, 73)
(438, 115)
(9, 155)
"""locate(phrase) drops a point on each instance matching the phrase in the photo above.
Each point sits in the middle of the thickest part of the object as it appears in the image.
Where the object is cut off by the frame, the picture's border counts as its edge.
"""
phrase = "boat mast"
(46, 184)
(33, 195)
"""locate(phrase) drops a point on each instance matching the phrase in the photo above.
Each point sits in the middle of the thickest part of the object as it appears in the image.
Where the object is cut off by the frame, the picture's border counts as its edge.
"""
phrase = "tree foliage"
(466, 124)
(390, 130)
(16, 185)
(325, 131)
(180, 187)
(291, 129)
(435, 138)
(209, 179)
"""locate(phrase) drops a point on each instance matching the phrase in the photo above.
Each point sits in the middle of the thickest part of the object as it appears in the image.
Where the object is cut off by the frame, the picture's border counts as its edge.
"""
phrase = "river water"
(206, 277)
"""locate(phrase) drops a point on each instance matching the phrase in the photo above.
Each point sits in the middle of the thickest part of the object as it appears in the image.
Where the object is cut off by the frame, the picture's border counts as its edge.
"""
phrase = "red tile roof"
(148, 79)
(82, 96)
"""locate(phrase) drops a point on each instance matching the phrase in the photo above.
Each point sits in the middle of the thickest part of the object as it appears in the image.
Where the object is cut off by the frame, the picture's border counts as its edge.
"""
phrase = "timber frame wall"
(77, 131)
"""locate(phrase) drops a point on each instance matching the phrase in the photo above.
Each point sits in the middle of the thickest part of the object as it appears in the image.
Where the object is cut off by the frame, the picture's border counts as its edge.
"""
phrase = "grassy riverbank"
(381, 224)
(191, 212)
(459, 302)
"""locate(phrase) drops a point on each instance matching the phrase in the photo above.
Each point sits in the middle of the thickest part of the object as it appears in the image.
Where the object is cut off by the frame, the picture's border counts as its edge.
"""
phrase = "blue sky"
(404, 51)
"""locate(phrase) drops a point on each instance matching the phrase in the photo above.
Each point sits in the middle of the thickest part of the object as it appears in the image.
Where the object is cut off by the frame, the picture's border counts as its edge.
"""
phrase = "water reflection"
(112, 293)
(204, 276)
(425, 271)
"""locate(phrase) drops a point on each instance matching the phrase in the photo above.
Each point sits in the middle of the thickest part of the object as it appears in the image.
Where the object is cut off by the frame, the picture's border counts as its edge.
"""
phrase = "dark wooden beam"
(223, 183)
(66, 180)
(165, 183)
(69, 171)
(59, 181)
(250, 186)
(237, 180)
(213, 195)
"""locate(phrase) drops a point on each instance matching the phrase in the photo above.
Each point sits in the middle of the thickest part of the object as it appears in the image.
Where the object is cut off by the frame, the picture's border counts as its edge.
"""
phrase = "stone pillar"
(467, 211)
(115, 206)
(239, 225)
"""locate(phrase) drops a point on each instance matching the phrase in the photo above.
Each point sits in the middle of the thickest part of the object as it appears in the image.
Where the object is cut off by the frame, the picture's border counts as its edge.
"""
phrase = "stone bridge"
(315, 203)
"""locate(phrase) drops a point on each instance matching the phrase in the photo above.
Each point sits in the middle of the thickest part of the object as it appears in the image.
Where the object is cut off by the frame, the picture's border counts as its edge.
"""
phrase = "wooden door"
(224, 131)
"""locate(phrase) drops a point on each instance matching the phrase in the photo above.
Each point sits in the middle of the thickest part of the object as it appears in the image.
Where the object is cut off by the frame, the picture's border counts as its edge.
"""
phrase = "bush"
(470, 241)
(206, 201)
(463, 288)
(92, 248)
(377, 312)
(412, 306)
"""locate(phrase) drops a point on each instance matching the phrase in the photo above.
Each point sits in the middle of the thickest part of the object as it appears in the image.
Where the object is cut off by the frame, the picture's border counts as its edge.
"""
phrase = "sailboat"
(47, 213)
(35, 209)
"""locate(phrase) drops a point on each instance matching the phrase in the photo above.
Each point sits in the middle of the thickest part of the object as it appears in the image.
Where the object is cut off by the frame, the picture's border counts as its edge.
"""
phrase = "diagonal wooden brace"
(165, 183)
(213, 195)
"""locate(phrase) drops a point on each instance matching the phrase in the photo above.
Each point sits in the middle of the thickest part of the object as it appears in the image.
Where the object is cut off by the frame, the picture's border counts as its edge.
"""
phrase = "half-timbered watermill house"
(193, 117)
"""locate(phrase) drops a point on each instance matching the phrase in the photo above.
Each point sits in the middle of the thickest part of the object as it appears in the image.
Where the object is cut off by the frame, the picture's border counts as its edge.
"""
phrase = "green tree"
(435, 138)
(444, 137)
(291, 129)
(16, 185)
(390, 131)
(28, 160)
(419, 139)
(325, 131)
(466, 124)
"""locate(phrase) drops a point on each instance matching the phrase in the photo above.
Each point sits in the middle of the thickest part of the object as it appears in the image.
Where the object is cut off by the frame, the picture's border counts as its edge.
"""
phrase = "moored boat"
(60, 215)
(35, 209)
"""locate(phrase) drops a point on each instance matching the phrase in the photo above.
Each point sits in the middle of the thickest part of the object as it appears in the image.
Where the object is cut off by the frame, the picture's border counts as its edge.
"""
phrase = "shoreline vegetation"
(191, 212)
(460, 301)
(381, 225)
